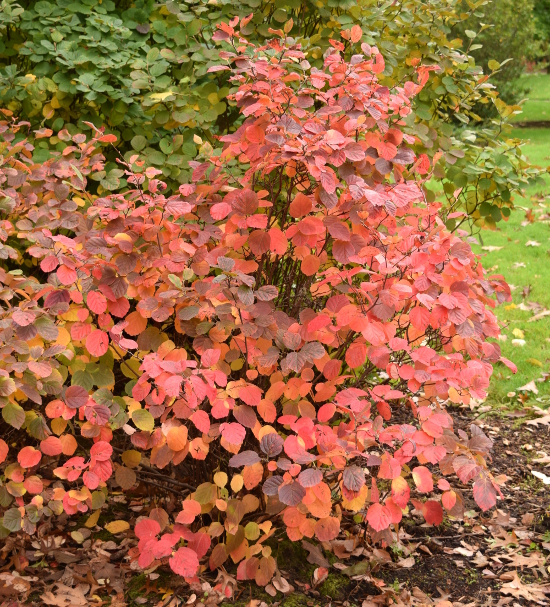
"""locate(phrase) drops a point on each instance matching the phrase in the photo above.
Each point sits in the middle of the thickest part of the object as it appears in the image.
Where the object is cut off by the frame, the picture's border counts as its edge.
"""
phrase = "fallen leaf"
(530, 592)
(529, 387)
(532, 243)
(490, 249)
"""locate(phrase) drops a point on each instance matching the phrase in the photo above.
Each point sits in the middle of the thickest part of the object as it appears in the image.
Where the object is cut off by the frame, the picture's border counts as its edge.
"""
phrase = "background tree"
(505, 33)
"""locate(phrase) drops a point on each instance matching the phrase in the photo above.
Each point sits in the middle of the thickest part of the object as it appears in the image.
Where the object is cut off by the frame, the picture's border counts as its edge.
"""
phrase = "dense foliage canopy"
(282, 331)
(141, 69)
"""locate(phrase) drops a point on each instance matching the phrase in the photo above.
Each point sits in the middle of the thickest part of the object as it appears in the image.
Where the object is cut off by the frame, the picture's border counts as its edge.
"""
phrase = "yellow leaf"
(220, 478)
(237, 483)
(131, 458)
(518, 333)
(115, 527)
(161, 96)
(92, 520)
(535, 362)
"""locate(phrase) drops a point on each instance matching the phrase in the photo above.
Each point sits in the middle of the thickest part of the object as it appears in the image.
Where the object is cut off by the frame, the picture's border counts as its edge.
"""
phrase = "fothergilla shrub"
(280, 336)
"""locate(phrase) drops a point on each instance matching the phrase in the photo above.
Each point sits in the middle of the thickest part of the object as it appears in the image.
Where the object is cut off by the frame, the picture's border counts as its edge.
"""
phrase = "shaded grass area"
(537, 106)
(523, 257)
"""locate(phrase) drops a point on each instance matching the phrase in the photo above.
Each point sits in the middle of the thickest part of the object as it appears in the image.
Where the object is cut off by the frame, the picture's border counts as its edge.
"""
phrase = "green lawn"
(537, 106)
(523, 257)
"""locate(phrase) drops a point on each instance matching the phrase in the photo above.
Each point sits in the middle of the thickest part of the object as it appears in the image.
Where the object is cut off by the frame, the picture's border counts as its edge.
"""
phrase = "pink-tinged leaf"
(4, 449)
(509, 364)
(66, 275)
(147, 528)
(97, 343)
(272, 444)
(356, 355)
(245, 458)
(432, 512)
(420, 318)
(233, 433)
(49, 263)
(310, 477)
(217, 68)
(119, 308)
(80, 330)
(29, 457)
(378, 517)
(326, 412)
(220, 210)
(465, 468)
(443, 484)
(51, 446)
(210, 357)
(201, 420)
(76, 397)
(251, 395)
(185, 562)
(97, 302)
(353, 478)
(292, 493)
(23, 318)
(423, 479)
(190, 510)
(485, 494)
(101, 451)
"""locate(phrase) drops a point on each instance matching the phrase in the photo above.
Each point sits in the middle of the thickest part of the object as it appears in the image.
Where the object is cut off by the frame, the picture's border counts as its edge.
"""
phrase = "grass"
(525, 267)
(537, 106)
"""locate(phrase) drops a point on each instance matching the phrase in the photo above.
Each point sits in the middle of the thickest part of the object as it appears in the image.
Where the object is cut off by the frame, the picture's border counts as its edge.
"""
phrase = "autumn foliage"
(280, 335)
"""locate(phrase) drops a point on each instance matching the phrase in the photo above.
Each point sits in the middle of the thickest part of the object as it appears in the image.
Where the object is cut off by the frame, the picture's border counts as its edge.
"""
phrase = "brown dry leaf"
(316, 556)
(480, 560)
(530, 592)
(66, 597)
(543, 421)
(533, 559)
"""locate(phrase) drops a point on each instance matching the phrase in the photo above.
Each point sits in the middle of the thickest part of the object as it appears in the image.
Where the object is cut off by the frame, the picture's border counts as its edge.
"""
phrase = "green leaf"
(143, 420)
(12, 520)
(14, 415)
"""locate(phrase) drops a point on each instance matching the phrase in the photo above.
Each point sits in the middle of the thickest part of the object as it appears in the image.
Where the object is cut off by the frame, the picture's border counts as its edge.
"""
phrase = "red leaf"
(147, 528)
(233, 433)
(201, 420)
(432, 512)
(423, 479)
(378, 517)
(29, 457)
(485, 493)
(448, 499)
(66, 275)
(96, 302)
(3, 450)
(185, 562)
(51, 446)
(97, 343)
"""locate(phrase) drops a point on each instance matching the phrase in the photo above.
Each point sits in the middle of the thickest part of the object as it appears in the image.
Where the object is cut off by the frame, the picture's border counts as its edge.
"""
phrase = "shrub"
(142, 70)
(282, 343)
